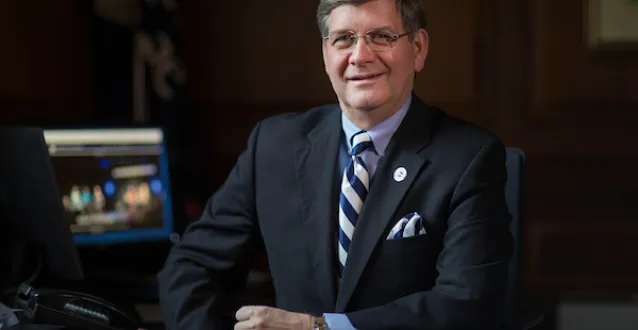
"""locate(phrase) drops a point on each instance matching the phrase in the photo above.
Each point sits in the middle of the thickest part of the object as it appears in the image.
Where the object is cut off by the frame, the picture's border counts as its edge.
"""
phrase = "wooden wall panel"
(574, 112)
(45, 61)
(587, 256)
(577, 101)
(573, 81)
(593, 190)
(450, 78)
(258, 52)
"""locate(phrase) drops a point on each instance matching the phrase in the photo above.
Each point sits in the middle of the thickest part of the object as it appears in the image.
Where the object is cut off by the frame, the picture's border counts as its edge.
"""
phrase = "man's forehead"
(368, 16)
(384, 28)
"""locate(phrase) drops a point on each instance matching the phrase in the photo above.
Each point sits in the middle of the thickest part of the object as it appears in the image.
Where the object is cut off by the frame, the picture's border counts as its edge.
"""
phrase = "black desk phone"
(73, 310)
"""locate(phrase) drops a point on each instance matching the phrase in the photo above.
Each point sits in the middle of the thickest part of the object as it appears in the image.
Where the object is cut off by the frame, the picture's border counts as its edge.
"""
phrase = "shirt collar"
(380, 133)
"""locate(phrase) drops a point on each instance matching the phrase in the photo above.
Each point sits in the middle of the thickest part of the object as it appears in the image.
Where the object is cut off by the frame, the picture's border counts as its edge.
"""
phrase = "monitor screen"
(114, 183)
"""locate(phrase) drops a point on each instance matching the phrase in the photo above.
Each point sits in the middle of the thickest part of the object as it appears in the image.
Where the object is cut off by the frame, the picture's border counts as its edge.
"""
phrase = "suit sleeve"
(470, 289)
(202, 268)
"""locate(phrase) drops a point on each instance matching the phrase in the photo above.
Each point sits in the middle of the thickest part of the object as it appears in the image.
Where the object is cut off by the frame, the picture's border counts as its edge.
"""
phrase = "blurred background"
(557, 79)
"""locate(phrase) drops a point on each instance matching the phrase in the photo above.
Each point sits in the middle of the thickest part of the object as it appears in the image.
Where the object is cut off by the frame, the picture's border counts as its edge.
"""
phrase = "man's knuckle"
(260, 323)
(261, 311)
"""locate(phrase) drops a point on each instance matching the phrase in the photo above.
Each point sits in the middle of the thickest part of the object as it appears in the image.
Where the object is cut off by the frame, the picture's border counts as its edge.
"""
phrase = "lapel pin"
(400, 174)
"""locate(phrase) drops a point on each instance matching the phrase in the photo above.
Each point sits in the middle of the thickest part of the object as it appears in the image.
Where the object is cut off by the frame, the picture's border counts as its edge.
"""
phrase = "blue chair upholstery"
(515, 164)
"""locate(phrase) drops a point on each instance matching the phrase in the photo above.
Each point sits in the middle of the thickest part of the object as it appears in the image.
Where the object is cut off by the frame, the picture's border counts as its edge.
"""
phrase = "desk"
(149, 313)
(590, 311)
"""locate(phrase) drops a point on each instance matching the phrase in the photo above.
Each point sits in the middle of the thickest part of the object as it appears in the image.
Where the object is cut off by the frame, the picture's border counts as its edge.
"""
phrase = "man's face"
(364, 79)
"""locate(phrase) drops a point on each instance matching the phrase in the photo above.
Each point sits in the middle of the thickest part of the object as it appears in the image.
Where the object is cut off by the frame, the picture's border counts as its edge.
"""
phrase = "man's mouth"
(366, 77)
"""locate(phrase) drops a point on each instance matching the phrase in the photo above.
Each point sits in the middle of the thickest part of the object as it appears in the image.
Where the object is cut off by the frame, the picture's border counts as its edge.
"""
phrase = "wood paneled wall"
(574, 111)
(45, 62)
(519, 68)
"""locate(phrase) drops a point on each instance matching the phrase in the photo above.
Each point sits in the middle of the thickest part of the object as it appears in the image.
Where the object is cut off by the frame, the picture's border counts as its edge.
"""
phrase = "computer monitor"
(115, 183)
(32, 218)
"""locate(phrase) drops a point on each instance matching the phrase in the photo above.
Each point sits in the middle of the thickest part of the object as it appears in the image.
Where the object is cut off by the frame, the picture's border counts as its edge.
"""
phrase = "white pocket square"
(408, 226)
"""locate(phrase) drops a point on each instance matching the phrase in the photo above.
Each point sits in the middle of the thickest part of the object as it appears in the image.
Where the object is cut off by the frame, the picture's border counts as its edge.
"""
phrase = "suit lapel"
(316, 164)
(386, 193)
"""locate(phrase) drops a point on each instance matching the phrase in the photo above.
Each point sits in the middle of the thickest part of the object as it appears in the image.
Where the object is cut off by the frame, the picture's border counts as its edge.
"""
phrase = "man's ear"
(421, 45)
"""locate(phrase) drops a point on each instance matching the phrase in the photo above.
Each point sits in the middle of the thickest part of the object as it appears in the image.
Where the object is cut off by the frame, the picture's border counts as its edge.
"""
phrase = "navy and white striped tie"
(354, 188)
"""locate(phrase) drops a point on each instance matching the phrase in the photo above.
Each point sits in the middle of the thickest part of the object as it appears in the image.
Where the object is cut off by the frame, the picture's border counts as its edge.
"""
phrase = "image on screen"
(114, 183)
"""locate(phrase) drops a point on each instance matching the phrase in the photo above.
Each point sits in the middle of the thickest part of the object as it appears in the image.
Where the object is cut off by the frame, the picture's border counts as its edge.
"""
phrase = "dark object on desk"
(34, 228)
(32, 218)
(72, 309)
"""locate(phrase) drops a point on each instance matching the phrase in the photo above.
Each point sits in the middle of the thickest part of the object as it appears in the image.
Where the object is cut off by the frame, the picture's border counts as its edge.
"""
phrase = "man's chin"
(368, 107)
(366, 103)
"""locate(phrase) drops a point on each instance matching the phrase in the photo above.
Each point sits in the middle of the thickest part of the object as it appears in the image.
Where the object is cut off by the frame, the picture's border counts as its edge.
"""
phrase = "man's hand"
(262, 317)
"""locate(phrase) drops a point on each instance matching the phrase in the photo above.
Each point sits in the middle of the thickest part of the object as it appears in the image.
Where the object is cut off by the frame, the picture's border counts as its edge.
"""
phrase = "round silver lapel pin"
(400, 174)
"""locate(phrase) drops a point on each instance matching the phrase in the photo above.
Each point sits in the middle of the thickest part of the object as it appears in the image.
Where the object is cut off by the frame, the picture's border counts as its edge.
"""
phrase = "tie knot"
(361, 142)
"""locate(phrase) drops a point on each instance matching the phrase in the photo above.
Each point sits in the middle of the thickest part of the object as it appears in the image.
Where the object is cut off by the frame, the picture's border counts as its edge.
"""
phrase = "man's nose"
(361, 53)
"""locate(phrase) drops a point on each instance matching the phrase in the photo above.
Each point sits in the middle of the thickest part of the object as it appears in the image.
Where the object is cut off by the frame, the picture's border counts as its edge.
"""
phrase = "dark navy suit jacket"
(283, 191)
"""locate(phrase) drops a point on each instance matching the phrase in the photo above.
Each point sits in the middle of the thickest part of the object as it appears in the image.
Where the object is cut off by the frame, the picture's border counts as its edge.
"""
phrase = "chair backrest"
(515, 164)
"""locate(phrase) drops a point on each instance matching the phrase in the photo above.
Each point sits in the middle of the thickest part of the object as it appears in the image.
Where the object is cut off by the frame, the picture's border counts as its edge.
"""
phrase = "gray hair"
(412, 13)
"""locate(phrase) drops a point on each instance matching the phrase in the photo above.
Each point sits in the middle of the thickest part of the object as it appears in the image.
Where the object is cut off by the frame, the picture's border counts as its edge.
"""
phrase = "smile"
(369, 77)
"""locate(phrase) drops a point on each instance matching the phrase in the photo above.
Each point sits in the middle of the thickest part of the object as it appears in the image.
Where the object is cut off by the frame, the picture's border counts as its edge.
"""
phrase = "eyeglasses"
(378, 41)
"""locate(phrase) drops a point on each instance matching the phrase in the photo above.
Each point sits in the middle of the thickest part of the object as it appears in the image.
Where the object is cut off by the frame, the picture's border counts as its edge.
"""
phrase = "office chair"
(515, 164)
(513, 317)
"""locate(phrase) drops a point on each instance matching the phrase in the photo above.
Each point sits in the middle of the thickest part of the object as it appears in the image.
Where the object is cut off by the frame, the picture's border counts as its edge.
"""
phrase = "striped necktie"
(354, 188)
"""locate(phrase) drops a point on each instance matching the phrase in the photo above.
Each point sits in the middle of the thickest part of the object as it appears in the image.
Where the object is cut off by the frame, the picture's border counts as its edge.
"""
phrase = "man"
(377, 213)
